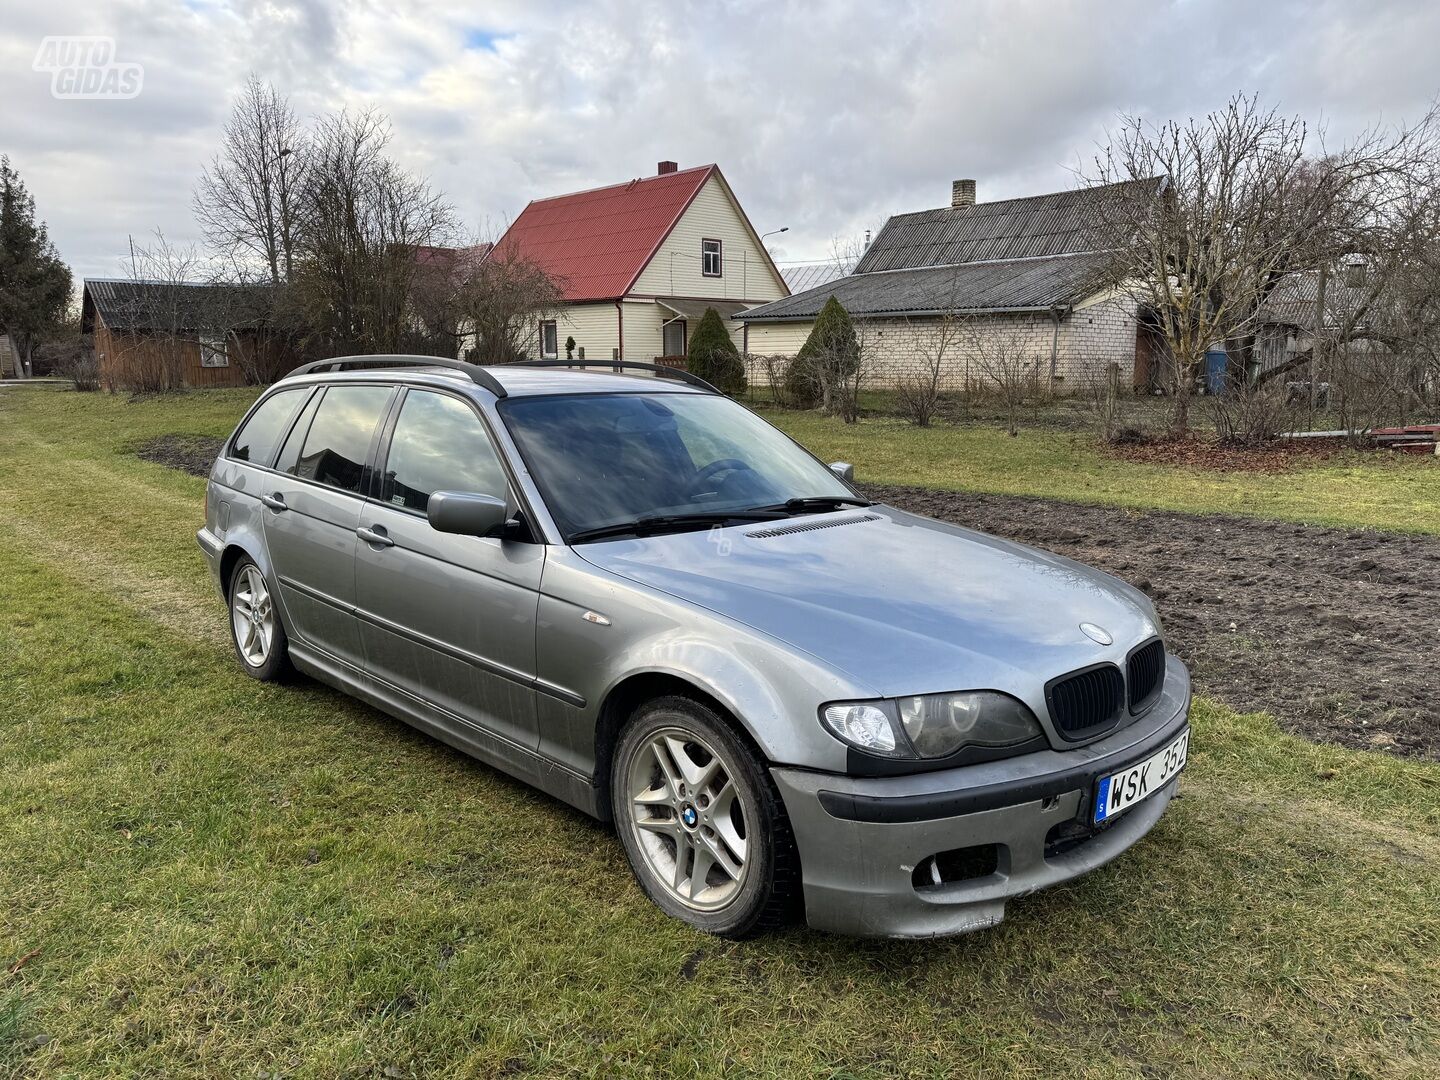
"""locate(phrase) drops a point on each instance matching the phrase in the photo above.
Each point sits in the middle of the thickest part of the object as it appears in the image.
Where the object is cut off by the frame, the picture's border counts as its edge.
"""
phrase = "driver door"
(448, 620)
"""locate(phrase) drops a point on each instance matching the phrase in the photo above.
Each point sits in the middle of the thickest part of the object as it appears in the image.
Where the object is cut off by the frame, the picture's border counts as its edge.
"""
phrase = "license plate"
(1119, 791)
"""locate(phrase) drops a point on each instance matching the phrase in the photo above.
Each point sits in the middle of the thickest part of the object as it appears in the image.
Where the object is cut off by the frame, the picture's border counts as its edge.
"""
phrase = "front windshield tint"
(608, 459)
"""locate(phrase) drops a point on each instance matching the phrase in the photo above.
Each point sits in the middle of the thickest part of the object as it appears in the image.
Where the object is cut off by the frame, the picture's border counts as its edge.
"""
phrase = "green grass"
(223, 878)
(1354, 489)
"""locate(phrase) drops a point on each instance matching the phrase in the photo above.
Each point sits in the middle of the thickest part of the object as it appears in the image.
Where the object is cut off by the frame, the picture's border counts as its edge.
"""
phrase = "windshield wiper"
(649, 523)
(819, 502)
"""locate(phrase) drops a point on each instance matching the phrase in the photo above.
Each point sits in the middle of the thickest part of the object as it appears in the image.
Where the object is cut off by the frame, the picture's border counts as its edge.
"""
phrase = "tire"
(689, 794)
(262, 649)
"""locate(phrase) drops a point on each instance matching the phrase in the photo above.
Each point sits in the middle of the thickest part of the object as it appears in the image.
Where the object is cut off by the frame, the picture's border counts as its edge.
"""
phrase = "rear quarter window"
(257, 438)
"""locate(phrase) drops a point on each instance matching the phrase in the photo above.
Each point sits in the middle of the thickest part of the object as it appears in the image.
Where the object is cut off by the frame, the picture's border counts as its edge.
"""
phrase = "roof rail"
(478, 374)
(659, 369)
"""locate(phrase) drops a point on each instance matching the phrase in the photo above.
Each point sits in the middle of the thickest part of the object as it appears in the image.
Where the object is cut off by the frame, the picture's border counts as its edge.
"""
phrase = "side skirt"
(509, 757)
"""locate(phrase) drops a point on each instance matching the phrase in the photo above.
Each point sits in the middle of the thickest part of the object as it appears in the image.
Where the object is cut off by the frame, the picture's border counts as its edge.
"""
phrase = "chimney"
(670, 166)
(962, 193)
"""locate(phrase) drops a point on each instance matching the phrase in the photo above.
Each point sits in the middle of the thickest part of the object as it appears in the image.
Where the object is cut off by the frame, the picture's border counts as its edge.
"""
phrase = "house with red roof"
(638, 263)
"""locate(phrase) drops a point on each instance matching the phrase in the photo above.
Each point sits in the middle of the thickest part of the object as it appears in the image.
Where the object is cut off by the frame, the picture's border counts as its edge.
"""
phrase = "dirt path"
(1334, 631)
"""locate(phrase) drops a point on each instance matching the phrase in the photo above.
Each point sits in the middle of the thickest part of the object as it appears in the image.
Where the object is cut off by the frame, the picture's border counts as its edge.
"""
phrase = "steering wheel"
(728, 464)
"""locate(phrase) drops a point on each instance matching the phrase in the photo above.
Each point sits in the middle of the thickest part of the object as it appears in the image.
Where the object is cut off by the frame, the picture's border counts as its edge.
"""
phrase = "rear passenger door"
(447, 619)
(312, 509)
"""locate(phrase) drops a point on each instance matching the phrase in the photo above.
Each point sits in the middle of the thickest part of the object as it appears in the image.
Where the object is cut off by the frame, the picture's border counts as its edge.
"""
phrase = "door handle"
(275, 502)
(377, 536)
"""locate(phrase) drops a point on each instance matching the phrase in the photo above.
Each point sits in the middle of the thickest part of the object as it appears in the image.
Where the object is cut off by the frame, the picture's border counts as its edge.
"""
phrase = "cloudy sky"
(825, 116)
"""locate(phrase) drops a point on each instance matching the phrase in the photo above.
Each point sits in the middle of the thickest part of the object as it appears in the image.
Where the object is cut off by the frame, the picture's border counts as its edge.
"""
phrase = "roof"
(971, 288)
(184, 305)
(595, 243)
(450, 257)
(802, 276)
(1057, 224)
(695, 309)
(1292, 303)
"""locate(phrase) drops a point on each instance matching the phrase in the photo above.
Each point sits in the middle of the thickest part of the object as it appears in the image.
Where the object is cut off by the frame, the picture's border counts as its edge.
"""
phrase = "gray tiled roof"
(1293, 301)
(1057, 224)
(1009, 285)
(801, 276)
(151, 305)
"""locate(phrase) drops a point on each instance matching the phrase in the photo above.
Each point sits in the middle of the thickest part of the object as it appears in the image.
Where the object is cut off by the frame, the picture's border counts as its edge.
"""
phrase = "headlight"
(940, 724)
(866, 727)
(932, 726)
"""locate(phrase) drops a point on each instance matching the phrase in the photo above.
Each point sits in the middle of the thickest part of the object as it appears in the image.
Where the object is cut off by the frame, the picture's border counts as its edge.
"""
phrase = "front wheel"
(702, 825)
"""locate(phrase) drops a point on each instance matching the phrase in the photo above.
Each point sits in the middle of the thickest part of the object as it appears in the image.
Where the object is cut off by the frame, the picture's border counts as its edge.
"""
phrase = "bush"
(829, 357)
(713, 355)
(802, 385)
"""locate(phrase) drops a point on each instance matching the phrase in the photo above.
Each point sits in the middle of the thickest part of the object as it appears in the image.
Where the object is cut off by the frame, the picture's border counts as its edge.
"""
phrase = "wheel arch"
(229, 557)
(629, 694)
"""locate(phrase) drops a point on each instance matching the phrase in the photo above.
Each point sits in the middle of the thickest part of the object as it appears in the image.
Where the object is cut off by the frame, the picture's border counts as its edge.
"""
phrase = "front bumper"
(861, 840)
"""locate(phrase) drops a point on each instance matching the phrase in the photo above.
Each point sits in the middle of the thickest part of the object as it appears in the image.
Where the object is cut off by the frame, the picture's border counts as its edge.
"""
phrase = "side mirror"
(844, 470)
(466, 513)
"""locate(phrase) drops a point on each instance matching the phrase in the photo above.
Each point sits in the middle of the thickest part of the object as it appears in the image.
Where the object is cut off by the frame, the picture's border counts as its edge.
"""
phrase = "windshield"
(608, 459)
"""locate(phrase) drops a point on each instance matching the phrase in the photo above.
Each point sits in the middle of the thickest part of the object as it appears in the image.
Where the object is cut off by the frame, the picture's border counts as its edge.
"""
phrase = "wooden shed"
(163, 335)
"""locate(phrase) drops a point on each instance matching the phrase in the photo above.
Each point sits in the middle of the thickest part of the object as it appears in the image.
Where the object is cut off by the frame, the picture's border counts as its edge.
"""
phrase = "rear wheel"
(255, 627)
(701, 822)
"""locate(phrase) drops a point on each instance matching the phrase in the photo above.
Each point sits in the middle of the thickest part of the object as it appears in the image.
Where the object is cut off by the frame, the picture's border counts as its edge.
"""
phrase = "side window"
(338, 442)
(439, 445)
(290, 453)
(255, 442)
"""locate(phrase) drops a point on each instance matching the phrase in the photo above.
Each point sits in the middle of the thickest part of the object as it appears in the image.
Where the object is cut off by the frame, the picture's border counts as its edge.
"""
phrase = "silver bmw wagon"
(635, 594)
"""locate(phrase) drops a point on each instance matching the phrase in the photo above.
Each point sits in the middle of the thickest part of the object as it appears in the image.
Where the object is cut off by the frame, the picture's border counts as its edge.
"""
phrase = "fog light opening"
(960, 864)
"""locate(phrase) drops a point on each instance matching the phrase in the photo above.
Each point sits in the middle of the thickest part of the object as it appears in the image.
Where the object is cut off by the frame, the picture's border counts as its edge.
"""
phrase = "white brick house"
(1019, 277)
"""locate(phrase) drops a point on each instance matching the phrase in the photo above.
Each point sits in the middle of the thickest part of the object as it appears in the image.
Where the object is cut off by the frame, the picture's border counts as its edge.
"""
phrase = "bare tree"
(1207, 218)
(918, 388)
(1007, 365)
(247, 201)
(362, 218)
(70, 352)
(501, 303)
(152, 324)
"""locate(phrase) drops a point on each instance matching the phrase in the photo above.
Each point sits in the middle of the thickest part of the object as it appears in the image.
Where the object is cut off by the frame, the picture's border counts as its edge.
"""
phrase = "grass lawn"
(202, 875)
(1353, 489)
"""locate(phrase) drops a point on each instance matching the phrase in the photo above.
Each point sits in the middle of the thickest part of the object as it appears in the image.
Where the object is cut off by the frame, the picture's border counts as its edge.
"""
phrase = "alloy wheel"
(252, 613)
(688, 819)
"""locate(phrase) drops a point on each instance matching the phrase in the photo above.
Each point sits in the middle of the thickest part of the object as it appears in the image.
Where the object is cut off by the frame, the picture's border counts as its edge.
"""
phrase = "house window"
(549, 340)
(674, 337)
(213, 352)
(710, 258)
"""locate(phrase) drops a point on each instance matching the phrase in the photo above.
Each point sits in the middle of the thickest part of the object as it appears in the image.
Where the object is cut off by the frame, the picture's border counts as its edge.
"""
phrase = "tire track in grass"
(156, 598)
(118, 475)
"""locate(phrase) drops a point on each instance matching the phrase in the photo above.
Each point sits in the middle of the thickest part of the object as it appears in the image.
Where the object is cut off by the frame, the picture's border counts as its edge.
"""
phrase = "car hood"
(900, 603)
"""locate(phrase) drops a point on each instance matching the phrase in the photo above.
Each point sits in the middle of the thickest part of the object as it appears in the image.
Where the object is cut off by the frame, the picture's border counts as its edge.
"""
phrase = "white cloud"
(825, 116)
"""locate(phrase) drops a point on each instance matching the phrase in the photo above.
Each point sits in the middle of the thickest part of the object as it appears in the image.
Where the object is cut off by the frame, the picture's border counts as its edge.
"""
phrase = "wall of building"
(1089, 344)
(747, 274)
(595, 328)
(777, 339)
(148, 361)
